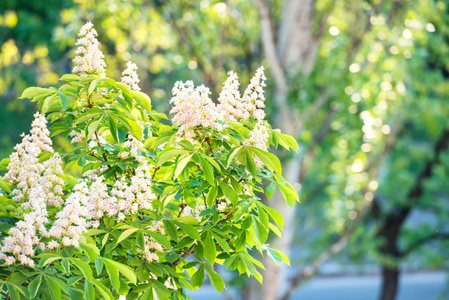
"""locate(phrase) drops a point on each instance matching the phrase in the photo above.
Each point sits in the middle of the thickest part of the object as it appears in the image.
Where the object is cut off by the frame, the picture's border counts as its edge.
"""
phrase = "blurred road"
(419, 286)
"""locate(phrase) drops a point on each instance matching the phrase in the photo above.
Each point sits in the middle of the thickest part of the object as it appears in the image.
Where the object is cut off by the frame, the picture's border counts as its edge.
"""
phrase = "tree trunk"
(390, 283)
(291, 44)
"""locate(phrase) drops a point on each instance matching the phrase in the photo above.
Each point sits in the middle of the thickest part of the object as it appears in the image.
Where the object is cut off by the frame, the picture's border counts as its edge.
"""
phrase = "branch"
(342, 241)
(266, 24)
(184, 256)
(419, 242)
(396, 218)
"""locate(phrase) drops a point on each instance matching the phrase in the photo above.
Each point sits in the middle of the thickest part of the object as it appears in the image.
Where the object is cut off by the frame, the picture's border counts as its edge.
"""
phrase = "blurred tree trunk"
(290, 44)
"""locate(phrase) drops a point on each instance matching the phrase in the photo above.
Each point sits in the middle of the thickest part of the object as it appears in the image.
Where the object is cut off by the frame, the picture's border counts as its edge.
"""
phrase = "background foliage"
(378, 135)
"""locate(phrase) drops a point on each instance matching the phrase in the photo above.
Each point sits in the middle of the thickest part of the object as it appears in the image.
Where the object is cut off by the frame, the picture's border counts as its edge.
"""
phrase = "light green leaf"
(210, 252)
(270, 189)
(189, 229)
(69, 77)
(53, 288)
(112, 273)
(211, 196)
(93, 85)
(91, 250)
(4, 186)
(170, 154)
(270, 160)
(229, 192)
(198, 278)
(34, 285)
(83, 267)
(221, 242)
(124, 270)
(181, 165)
(126, 234)
(65, 100)
(47, 103)
(32, 92)
(232, 155)
(142, 99)
(208, 171)
(104, 291)
(215, 279)
(160, 238)
(89, 114)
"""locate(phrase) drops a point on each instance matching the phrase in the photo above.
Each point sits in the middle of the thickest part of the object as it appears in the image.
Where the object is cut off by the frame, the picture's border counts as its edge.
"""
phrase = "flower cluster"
(129, 76)
(128, 199)
(37, 186)
(192, 107)
(89, 59)
(258, 138)
(253, 99)
(230, 98)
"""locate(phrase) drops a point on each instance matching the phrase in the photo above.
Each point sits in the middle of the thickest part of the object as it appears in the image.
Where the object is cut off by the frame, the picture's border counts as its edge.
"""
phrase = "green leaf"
(112, 273)
(160, 238)
(89, 291)
(189, 229)
(140, 240)
(170, 154)
(270, 189)
(53, 288)
(34, 285)
(275, 215)
(181, 165)
(83, 267)
(210, 252)
(260, 231)
(211, 196)
(287, 190)
(232, 155)
(89, 114)
(250, 165)
(269, 160)
(93, 85)
(198, 278)
(221, 242)
(113, 128)
(188, 220)
(13, 291)
(70, 77)
(142, 99)
(131, 126)
(215, 279)
(124, 270)
(98, 265)
(277, 256)
(104, 291)
(289, 140)
(48, 258)
(32, 92)
(126, 234)
(4, 186)
(229, 192)
(171, 230)
(91, 250)
(47, 103)
(65, 100)
(92, 128)
(94, 231)
(208, 171)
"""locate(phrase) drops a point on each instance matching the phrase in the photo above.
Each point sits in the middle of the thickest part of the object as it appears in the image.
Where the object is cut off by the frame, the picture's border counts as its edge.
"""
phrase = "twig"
(184, 256)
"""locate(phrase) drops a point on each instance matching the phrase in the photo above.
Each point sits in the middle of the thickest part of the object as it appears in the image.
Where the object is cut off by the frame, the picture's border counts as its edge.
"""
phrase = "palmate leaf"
(123, 269)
